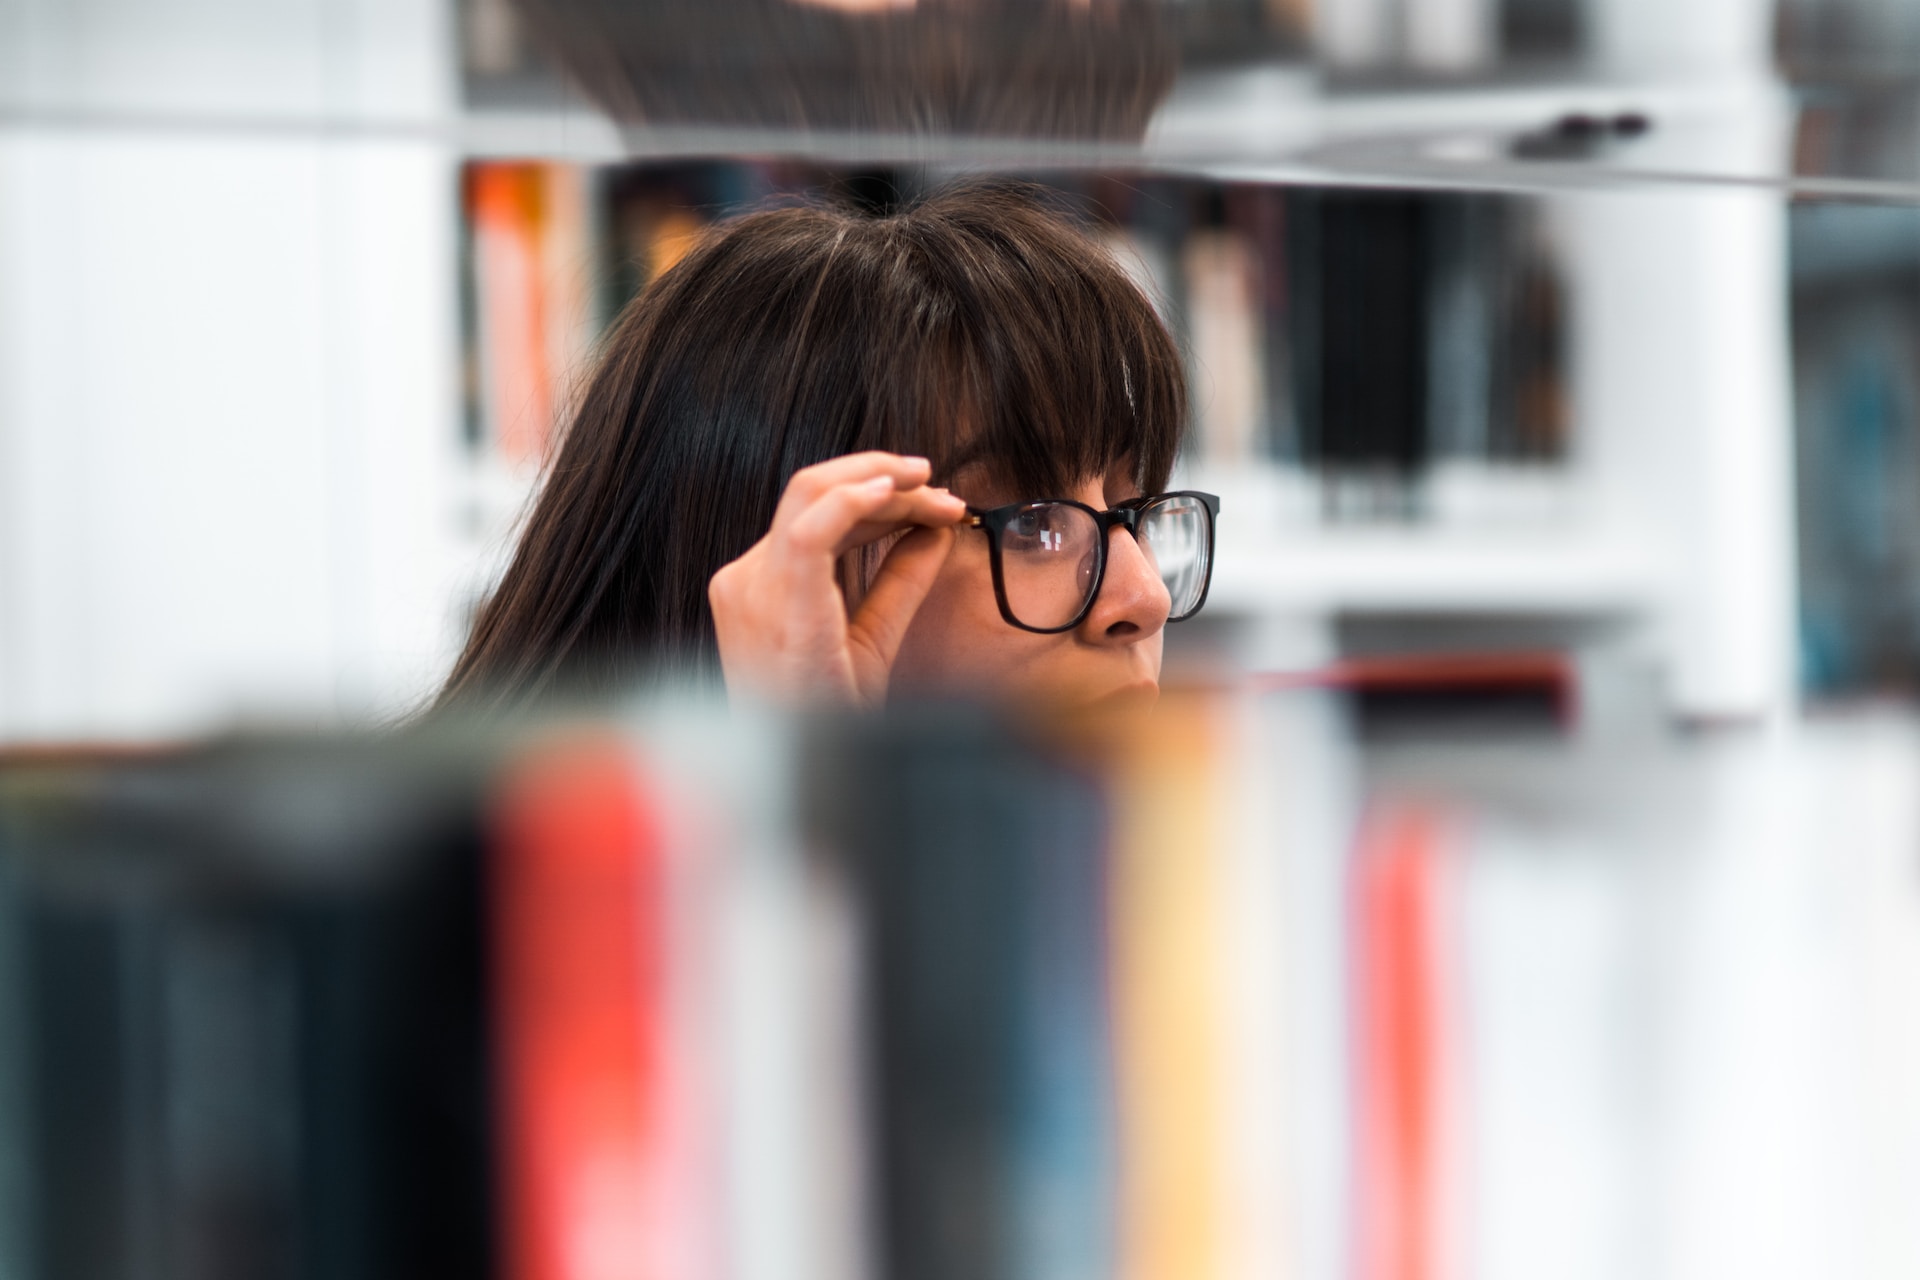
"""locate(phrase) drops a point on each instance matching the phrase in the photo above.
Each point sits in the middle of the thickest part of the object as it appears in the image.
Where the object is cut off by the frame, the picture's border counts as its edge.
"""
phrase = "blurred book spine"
(1856, 324)
(1367, 338)
(1065, 1119)
(1167, 931)
(1402, 1209)
(529, 230)
(982, 873)
(602, 1178)
(1224, 279)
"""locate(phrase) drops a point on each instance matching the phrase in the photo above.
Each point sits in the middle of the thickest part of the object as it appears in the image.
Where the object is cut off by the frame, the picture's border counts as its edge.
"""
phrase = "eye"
(1039, 528)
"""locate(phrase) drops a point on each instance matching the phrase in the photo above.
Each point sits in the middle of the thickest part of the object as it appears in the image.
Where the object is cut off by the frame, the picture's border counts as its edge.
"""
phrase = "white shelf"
(1408, 571)
(1490, 538)
(1273, 124)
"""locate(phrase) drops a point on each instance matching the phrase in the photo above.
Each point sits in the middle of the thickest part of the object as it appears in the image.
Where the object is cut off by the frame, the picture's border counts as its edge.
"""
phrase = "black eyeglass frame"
(1127, 515)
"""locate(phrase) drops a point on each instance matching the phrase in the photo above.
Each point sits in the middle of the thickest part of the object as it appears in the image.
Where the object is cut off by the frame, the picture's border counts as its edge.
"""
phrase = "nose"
(1133, 602)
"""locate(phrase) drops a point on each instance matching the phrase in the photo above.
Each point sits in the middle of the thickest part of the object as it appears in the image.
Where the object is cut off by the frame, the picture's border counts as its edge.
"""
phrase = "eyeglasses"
(1049, 557)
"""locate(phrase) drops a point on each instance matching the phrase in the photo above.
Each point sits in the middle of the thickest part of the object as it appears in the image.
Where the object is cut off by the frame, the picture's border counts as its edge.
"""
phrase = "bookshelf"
(1491, 1006)
(307, 163)
(233, 478)
(1556, 518)
(1290, 123)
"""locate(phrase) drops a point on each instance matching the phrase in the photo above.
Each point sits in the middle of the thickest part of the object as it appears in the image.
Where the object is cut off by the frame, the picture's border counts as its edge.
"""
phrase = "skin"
(929, 621)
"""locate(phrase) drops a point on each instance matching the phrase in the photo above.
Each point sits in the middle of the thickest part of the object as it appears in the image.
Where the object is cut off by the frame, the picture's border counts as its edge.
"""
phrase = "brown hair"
(975, 327)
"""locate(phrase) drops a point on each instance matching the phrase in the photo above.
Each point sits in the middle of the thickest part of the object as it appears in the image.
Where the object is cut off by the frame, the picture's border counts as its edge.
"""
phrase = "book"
(598, 1130)
(1404, 1173)
(534, 320)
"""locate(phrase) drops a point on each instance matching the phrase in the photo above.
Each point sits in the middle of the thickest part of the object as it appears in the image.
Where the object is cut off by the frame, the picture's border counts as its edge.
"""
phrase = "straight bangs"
(1038, 363)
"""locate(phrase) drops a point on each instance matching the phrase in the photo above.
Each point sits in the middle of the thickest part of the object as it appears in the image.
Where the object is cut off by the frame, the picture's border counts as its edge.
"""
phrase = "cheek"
(958, 638)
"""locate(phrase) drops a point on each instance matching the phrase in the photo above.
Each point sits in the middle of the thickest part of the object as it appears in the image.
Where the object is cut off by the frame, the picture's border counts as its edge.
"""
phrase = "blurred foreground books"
(676, 994)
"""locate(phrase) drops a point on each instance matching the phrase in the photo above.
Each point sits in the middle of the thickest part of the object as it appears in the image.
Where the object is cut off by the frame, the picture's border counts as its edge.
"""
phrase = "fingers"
(851, 515)
(898, 589)
(810, 484)
(779, 613)
(926, 506)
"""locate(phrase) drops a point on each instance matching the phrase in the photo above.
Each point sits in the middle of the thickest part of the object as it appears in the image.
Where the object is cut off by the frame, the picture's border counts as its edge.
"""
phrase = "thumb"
(898, 589)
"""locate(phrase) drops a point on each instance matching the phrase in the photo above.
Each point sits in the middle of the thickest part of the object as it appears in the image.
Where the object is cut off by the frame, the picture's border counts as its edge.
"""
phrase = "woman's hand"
(781, 620)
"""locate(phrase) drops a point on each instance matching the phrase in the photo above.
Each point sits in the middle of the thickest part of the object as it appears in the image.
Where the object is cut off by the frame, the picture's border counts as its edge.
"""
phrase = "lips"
(1137, 696)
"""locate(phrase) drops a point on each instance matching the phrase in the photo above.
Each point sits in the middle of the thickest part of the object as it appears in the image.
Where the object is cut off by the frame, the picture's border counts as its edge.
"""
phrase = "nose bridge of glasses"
(1140, 557)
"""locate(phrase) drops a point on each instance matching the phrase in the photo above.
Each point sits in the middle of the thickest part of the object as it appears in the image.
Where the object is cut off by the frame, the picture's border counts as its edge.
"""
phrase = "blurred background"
(1576, 325)
(1529, 887)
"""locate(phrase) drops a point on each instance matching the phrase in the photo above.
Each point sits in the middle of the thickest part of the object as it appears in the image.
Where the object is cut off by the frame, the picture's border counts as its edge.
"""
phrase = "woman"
(813, 456)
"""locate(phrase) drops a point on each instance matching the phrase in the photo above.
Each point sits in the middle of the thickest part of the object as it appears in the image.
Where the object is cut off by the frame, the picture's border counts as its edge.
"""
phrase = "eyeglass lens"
(1174, 534)
(1050, 551)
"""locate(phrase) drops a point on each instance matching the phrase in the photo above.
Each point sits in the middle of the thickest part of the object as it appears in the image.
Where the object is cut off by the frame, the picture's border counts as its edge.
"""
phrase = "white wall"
(227, 362)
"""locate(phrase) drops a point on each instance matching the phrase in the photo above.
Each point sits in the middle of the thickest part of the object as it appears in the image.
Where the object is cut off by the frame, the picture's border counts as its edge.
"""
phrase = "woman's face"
(959, 643)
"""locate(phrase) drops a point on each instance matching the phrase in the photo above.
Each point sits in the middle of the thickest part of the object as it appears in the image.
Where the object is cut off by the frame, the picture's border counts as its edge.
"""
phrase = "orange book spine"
(1166, 1001)
(507, 208)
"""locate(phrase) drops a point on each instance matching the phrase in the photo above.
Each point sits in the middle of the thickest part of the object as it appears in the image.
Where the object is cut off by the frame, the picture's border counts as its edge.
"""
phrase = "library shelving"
(307, 167)
(1518, 487)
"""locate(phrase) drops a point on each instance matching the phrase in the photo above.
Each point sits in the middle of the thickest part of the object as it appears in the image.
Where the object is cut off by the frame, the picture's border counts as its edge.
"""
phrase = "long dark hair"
(978, 326)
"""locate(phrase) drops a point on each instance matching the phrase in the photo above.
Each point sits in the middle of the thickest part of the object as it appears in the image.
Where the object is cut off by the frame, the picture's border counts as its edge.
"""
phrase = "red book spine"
(587, 1138)
(1401, 1205)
